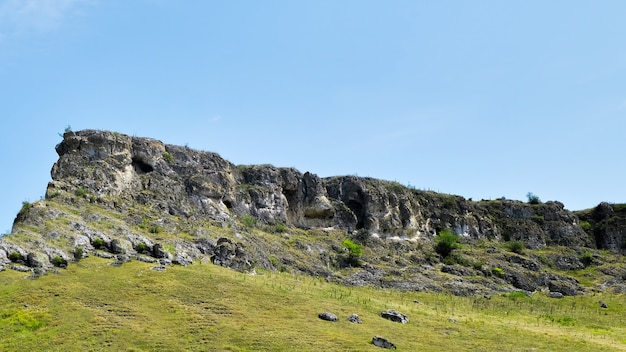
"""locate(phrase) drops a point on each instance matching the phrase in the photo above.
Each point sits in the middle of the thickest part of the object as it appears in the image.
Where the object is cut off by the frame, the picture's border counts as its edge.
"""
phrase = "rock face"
(195, 184)
(136, 197)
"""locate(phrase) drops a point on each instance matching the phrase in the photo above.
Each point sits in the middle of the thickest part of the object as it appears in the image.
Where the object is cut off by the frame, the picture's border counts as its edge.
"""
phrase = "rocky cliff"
(138, 198)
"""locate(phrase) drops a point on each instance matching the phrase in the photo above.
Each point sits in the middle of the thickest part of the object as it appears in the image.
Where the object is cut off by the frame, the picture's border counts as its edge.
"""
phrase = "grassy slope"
(93, 306)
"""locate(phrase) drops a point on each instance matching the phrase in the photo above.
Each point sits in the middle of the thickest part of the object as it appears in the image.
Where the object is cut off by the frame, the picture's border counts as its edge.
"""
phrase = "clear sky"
(484, 99)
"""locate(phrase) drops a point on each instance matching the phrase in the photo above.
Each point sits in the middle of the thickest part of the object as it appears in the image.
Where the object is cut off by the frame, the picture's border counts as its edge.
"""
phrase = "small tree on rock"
(445, 242)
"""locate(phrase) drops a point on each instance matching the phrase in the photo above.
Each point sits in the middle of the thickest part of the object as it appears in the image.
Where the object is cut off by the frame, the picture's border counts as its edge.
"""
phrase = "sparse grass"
(249, 221)
(94, 306)
(80, 192)
(515, 246)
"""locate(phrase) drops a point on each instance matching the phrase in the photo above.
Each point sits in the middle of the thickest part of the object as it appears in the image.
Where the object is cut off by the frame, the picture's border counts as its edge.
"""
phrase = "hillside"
(129, 198)
(92, 306)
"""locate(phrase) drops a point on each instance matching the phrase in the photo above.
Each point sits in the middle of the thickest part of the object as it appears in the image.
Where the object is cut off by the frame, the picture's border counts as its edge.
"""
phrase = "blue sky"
(484, 99)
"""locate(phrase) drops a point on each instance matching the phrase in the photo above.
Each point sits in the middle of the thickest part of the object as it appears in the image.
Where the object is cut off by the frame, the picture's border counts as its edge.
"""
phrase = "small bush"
(168, 157)
(274, 261)
(355, 252)
(15, 257)
(78, 253)
(59, 262)
(249, 221)
(586, 258)
(539, 219)
(585, 225)
(532, 198)
(515, 247)
(141, 247)
(445, 242)
(478, 265)
(154, 229)
(98, 243)
(25, 207)
(449, 260)
(280, 227)
(80, 191)
(497, 271)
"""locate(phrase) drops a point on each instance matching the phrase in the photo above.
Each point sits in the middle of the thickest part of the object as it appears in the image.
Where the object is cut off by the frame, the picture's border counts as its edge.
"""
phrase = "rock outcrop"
(139, 198)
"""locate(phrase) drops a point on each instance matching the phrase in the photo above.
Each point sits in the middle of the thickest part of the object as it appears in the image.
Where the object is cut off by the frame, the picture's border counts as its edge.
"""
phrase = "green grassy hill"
(93, 306)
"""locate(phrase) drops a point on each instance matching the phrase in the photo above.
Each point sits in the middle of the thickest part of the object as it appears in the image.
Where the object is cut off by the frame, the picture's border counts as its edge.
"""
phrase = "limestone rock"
(395, 316)
(354, 318)
(327, 316)
(383, 343)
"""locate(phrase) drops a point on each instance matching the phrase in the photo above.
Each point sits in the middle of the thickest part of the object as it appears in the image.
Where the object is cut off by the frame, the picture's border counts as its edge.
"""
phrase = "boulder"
(555, 295)
(327, 316)
(395, 316)
(383, 343)
(354, 318)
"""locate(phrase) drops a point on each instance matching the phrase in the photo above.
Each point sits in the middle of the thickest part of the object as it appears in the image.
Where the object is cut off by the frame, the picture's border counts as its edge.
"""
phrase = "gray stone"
(354, 318)
(555, 295)
(395, 316)
(327, 316)
(383, 343)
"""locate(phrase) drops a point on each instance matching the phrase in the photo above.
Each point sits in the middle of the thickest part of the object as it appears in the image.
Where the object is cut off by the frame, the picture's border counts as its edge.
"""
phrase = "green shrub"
(445, 242)
(539, 219)
(532, 198)
(168, 157)
(98, 243)
(154, 229)
(80, 191)
(355, 252)
(280, 227)
(585, 225)
(78, 253)
(449, 260)
(141, 247)
(15, 257)
(515, 247)
(586, 258)
(249, 221)
(274, 261)
(478, 265)
(25, 207)
(497, 271)
(59, 262)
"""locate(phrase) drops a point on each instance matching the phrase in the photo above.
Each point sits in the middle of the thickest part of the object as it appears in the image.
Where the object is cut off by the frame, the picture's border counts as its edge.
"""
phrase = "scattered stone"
(354, 318)
(452, 320)
(104, 255)
(555, 295)
(145, 259)
(182, 258)
(395, 316)
(165, 262)
(383, 342)
(327, 316)
(20, 268)
(160, 268)
(603, 305)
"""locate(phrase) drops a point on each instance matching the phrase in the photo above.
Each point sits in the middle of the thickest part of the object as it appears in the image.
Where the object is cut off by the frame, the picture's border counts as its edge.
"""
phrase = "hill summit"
(130, 198)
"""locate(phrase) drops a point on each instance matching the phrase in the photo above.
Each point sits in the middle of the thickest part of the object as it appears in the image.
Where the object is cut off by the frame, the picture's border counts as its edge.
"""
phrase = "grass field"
(93, 306)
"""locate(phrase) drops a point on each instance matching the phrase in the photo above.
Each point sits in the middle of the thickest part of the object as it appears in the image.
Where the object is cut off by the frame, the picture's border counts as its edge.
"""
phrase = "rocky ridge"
(128, 198)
